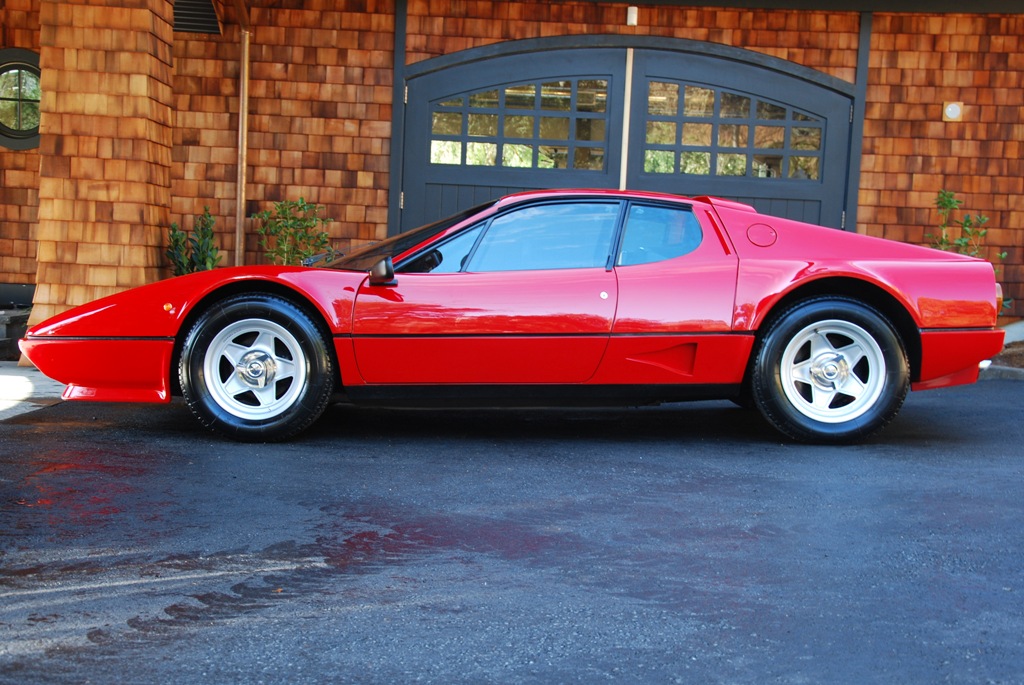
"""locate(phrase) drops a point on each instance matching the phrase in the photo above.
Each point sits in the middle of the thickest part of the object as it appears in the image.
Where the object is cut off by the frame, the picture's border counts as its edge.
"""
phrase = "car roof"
(565, 193)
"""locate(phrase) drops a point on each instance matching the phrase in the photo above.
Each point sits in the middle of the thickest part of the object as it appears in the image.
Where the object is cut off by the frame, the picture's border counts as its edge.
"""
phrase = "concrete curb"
(25, 388)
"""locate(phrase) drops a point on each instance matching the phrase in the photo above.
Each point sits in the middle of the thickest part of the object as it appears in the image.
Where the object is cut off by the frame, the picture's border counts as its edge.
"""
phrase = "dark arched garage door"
(697, 119)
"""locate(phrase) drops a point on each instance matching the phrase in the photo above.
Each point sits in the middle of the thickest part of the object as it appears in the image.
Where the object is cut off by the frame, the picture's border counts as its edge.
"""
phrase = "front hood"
(159, 309)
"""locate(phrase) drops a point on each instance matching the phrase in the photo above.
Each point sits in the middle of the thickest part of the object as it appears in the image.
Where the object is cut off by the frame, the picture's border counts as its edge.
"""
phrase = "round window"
(19, 98)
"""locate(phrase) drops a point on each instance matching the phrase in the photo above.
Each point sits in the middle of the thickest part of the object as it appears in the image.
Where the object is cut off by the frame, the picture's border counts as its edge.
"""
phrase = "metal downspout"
(243, 132)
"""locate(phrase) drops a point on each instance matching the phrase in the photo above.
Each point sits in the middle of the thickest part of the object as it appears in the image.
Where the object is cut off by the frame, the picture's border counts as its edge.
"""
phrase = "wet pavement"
(683, 543)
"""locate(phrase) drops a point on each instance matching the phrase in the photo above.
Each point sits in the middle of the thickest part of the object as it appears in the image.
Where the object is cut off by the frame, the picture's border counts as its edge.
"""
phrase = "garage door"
(650, 119)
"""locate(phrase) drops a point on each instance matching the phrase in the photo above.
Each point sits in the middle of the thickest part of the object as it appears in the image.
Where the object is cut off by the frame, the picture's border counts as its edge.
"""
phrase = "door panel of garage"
(698, 124)
(703, 126)
(482, 130)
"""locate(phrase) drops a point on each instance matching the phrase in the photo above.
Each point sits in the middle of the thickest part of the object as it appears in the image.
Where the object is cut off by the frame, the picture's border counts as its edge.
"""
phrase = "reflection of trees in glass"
(696, 163)
(523, 126)
(699, 102)
(19, 99)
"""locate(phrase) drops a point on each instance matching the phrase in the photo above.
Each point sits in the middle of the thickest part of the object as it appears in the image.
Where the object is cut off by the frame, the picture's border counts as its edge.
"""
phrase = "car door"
(526, 297)
(677, 288)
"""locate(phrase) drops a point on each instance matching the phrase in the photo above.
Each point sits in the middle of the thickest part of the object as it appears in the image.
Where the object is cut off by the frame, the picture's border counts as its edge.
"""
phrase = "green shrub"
(292, 232)
(193, 252)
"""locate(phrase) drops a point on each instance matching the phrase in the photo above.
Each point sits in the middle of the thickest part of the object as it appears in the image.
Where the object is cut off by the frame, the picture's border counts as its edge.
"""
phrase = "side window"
(448, 257)
(655, 233)
(572, 235)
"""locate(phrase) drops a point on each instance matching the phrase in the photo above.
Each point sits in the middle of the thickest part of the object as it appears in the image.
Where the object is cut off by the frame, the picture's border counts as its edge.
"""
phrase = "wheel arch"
(862, 291)
(254, 286)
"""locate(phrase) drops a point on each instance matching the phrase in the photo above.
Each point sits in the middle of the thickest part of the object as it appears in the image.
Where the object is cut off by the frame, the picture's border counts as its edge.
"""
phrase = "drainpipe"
(243, 131)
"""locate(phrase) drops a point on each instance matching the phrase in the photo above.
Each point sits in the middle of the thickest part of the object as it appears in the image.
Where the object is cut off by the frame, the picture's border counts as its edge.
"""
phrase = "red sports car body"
(544, 298)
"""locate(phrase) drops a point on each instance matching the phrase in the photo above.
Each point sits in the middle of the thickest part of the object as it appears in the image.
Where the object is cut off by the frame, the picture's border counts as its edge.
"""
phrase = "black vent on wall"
(195, 16)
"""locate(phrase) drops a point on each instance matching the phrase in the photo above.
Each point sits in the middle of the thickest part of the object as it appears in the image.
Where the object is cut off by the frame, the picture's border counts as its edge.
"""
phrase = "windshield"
(365, 257)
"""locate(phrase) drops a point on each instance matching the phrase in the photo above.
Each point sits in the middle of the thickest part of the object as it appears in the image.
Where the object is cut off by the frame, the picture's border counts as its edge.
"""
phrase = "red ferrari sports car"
(550, 298)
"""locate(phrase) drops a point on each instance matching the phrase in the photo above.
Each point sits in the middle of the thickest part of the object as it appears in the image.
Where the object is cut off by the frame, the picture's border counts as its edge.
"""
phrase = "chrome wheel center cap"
(256, 369)
(830, 370)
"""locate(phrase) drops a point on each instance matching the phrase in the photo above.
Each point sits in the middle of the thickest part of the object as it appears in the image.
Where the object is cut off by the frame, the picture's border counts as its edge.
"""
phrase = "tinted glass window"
(655, 233)
(555, 236)
(365, 257)
(446, 258)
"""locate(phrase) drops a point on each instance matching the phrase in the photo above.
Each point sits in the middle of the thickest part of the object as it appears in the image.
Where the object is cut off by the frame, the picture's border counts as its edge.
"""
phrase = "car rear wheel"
(830, 370)
(256, 367)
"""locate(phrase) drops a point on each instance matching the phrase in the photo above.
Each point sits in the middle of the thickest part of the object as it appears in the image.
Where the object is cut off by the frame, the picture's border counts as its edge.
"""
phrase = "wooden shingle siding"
(917, 63)
(19, 169)
(820, 40)
(319, 126)
(105, 153)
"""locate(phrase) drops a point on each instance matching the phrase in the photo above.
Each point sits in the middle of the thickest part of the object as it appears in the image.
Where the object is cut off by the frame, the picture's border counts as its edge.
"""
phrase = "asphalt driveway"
(683, 543)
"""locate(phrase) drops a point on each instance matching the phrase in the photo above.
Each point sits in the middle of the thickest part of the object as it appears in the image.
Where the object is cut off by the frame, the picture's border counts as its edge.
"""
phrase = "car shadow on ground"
(706, 422)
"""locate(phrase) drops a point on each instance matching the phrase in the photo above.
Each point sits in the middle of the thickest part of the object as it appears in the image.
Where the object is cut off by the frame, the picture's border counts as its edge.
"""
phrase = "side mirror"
(383, 273)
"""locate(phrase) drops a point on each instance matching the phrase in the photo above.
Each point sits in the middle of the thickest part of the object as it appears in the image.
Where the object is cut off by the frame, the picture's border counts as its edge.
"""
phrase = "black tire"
(256, 367)
(830, 370)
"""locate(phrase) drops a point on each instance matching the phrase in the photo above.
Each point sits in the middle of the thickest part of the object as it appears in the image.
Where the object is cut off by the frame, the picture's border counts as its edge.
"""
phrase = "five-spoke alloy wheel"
(830, 370)
(256, 367)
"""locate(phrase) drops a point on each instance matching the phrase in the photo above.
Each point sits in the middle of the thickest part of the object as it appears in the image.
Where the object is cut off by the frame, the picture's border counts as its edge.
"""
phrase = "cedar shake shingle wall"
(104, 187)
(19, 169)
(917, 64)
(320, 118)
(826, 41)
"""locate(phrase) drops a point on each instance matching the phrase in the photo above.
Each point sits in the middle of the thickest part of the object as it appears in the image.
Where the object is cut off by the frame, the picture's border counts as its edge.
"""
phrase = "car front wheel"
(830, 370)
(256, 367)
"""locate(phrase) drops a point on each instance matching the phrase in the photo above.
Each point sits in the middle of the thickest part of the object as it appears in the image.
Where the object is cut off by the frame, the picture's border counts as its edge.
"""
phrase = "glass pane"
(592, 96)
(699, 102)
(735, 106)
(9, 84)
(30, 86)
(696, 163)
(556, 96)
(483, 125)
(806, 139)
(654, 234)
(797, 116)
(447, 258)
(662, 98)
(733, 135)
(454, 102)
(517, 156)
(521, 97)
(659, 161)
(553, 157)
(518, 126)
(589, 158)
(590, 130)
(445, 152)
(731, 165)
(697, 134)
(9, 114)
(767, 166)
(804, 168)
(661, 132)
(768, 111)
(486, 100)
(561, 236)
(29, 116)
(446, 124)
(554, 128)
(769, 137)
(482, 154)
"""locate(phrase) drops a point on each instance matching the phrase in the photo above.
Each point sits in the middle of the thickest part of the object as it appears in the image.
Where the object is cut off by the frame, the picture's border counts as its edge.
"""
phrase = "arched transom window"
(559, 124)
